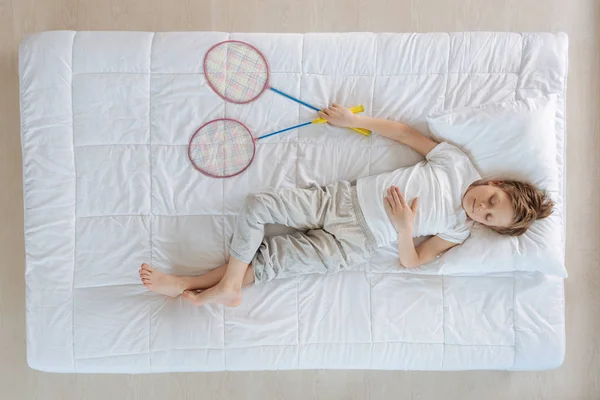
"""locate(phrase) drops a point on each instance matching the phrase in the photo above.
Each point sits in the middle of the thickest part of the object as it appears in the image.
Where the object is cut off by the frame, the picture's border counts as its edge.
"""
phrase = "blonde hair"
(529, 204)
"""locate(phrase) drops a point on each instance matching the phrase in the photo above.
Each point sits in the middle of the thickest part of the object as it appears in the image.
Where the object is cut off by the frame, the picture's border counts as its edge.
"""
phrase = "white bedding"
(106, 117)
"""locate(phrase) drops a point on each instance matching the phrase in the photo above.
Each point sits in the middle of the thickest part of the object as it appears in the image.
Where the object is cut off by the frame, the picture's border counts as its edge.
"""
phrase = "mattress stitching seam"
(368, 277)
(442, 279)
(443, 323)
(310, 73)
(564, 156)
(297, 179)
(75, 206)
(223, 310)
(520, 74)
(564, 181)
(374, 76)
(514, 319)
(282, 142)
(151, 187)
(293, 345)
(358, 343)
(519, 78)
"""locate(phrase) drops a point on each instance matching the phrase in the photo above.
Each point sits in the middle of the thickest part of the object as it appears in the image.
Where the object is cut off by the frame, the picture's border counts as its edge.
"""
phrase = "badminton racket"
(224, 147)
(239, 73)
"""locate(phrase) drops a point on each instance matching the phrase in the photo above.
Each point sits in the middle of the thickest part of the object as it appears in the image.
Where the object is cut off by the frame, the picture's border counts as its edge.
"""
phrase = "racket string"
(237, 71)
(244, 78)
(222, 148)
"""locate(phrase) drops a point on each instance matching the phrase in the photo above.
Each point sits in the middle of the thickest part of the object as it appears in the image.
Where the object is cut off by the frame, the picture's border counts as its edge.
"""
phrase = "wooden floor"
(578, 378)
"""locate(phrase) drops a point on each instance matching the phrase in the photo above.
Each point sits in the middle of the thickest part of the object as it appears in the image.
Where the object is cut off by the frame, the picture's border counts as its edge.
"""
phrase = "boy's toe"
(147, 267)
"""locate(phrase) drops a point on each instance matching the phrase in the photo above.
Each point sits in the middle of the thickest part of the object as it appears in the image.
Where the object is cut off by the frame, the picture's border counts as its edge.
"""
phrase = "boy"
(342, 224)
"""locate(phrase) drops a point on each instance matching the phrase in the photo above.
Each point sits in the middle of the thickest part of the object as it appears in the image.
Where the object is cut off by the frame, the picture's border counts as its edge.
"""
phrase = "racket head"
(237, 71)
(222, 148)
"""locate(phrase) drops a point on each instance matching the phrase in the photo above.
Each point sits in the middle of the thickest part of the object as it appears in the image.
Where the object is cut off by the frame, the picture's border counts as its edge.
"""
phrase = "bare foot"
(155, 281)
(218, 294)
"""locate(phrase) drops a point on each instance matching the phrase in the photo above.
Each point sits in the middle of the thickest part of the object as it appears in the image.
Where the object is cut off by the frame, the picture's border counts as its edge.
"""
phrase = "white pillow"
(512, 140)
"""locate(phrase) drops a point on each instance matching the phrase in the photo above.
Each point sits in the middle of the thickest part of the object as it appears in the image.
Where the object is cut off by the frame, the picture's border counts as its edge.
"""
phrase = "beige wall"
(578, 378)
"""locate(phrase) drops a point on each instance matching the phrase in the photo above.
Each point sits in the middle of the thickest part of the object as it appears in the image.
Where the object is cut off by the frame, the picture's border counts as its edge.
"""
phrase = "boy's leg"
(303, 209)
(343, 241)
(316, 251)
(301, 253)
(173, 285)
(228, 291)
(212, 277)
(284, 256)
(296, 208)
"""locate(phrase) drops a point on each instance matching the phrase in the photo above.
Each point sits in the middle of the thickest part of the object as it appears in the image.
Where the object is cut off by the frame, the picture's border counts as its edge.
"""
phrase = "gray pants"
(333, 236)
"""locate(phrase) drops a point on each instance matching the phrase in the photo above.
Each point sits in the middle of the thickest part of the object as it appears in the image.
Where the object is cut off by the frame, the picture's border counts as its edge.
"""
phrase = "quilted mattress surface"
(106, 118)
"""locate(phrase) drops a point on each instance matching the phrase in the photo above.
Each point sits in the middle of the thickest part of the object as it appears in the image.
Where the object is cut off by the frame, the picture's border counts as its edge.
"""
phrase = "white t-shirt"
(439, 182)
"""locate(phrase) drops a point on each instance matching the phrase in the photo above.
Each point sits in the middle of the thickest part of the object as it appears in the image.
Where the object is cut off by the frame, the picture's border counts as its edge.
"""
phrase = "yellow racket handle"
(355, 110)
(362, 131)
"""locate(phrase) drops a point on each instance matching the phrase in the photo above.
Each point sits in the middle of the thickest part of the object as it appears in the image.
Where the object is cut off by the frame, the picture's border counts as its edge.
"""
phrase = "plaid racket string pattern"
(222, 148)
(237, 71)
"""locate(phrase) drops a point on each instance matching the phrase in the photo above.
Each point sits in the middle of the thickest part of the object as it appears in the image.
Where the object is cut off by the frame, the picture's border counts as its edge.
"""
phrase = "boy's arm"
(411, 256)
(402, 216)
(340, 116)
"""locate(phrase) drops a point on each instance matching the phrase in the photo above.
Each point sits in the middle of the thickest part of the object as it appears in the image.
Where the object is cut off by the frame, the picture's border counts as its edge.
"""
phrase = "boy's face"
(489, 205)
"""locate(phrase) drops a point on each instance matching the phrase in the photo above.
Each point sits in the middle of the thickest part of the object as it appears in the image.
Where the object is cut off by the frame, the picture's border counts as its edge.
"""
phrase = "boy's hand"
(401, 214)
(338, 116)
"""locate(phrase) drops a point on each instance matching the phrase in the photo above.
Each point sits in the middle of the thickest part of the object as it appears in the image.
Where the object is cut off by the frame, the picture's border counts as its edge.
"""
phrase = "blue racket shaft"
(284, 130)
(294, 99)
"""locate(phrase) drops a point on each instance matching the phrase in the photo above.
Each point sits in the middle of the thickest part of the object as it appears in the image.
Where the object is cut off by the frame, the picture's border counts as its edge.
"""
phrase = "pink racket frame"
(225, 176)
(267, 86)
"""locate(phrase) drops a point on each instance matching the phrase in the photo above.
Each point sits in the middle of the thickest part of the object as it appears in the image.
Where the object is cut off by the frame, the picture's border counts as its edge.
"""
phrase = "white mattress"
(106, 117)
